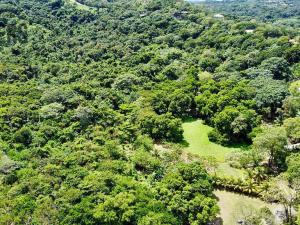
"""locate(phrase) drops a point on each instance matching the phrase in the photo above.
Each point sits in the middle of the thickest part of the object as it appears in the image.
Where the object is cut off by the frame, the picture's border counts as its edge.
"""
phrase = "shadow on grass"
(184, 143)
(189, 119)
(218, 220)
(241, 146)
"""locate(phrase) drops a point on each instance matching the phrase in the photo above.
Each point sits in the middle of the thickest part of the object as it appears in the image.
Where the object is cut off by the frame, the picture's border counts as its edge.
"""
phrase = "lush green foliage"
(284, 12)
(85, 91)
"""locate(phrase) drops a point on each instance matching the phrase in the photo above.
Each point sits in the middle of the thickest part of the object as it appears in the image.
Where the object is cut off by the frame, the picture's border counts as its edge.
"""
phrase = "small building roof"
(249, 31)
(218, 16)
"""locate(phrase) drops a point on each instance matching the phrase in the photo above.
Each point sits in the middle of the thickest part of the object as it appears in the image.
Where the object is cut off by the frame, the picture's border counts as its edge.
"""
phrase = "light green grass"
(79, 5)
(235, 207)
(196, 136)
(225, 170)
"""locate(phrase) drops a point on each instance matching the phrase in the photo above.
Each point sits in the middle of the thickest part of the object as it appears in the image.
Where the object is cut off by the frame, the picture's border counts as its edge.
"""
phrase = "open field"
(79, 5)
(196, 136)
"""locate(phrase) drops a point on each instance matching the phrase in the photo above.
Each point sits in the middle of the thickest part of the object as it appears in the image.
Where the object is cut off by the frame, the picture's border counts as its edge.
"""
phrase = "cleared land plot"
(79, 5)
(196, 136)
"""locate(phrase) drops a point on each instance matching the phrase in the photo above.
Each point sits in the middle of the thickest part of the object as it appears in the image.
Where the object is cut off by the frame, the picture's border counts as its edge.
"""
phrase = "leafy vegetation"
(88, 87)
(283, 12)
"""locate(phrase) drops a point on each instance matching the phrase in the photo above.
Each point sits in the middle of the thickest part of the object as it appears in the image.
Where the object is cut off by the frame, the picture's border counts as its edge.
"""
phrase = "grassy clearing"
(225, 170)
(235, 207)
(79, 5)
(196, 137)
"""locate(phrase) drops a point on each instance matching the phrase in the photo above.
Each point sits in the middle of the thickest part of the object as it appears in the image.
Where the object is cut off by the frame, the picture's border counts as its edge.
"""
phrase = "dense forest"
(281, 12)
(89, 88)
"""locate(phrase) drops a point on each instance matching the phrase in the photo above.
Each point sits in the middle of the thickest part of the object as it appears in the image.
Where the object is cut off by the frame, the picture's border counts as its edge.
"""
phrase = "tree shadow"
(189, 119)
(241, 146)
(217, 221)
(184, 143)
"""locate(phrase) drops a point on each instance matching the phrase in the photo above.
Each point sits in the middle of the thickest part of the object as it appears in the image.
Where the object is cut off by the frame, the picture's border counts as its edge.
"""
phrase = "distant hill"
(285, 12)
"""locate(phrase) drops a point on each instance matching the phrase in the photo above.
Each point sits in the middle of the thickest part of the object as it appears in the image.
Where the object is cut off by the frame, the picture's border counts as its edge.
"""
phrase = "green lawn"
(79, 5)
(196, 136)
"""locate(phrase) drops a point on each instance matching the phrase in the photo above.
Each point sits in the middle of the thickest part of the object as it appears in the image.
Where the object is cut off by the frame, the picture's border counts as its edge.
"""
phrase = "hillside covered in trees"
(89, 88)
(281, 12)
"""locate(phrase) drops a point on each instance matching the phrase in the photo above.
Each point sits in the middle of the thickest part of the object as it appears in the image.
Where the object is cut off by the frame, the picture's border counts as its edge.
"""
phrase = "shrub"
(24, 136)
(217, 137)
